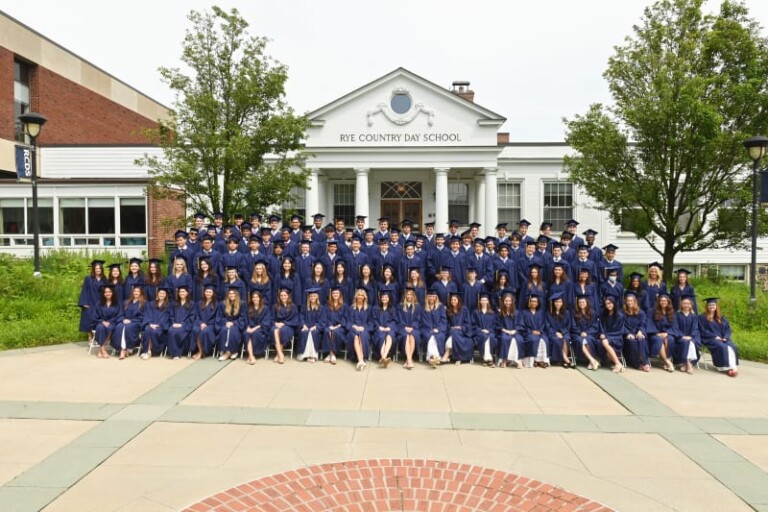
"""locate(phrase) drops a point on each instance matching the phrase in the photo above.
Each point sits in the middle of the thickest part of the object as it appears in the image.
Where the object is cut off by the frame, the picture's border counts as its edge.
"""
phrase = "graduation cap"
(335, 286)
(683, 271)
(530, 242)
(454, 222)
(502, 272)
(535, 265)
(394, 231)
(555, 296)
(254, 238)
(471, 268)
(368, 230)
(630, 293)
(306, 228)
(515, 236)
(114, 265)
(255, 216)
(406, 222)
(206, 238)
(180, 234)
(524, 222)
(432, 290)
(635, 275)
(151, 260)
(218, 215)
(429, 224)
(360, 217)
(454, 294)
(655, 264)
(478, 241)
(339, 263)
(349, 230)
(504, 245)
(209, 286)
(312, 290)
(410, 243)
(558, 264)
(97, 262)
(501, 225)
(286, 286)
(483, 294)
(456, 239)
(584, 247)
(383, 241)
(445, 268)
(545, 225)
(295, 217)
(339, 219)
(439, 235)
(557, 245)
(662, 294)
(107, 287)
(610, 247)
(193, 231)
(228, 227)
(318, 216)
(387, 266)
(566, 236)
(232, 239)
(583, 270)
(329, 227)
(245, 225)
(383, 219)
(265, 230)
(542, 239)
(688, 296)
(230, 267)
(167, 289)
(589, 232)
(279, 243)
(474, 225)
(238, 216)
(611, 270)
(582, 295)
(182, 287)
(273, 218)
(533, 293)
(331, 241)
(305, 242)
(711, 300)
(571, 222)
(199, 215)
(610, 298)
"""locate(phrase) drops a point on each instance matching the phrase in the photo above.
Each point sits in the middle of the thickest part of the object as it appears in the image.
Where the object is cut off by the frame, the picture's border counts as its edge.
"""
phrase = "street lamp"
(756, 146)
(33, 123)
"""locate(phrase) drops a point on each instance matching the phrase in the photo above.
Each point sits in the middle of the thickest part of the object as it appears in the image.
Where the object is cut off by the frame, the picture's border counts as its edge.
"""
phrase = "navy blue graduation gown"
(558, 324)
(651, 292)
(267, 291)
(590, 291)
(676, 294)
(133, 312)
(710, 331)
(460, 331)
(469, 294)
(525, 292)
(590, 327)
(384, 319)
(289, 317)
(359, 318)
(325, 289)
(687, 330)
(105, 314)
(484, 328)
(179, 337)
(530, 321)
(173, 281)
(312, 320)
(207, 315)
(612, 327)
(155, 327)
(261, 323)
(346, 287)
(506, 340)
(131, 281)
(201, 282)
(636, 350)
(444, 289)
(393, 288)
(434, 323)
(335, 324)
(88, 300)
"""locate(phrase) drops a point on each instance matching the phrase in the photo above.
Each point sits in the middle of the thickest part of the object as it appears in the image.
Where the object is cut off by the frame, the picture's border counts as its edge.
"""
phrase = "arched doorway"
(402, 200)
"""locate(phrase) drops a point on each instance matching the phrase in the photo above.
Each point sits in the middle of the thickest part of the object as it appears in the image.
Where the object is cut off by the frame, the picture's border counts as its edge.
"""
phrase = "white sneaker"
(145, 356)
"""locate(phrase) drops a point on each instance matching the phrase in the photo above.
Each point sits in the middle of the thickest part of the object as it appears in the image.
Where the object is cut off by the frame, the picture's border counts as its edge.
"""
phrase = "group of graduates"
(512, 299)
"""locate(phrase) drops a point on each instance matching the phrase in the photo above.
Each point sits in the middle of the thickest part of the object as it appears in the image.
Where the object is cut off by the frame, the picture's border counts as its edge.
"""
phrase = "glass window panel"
(101, 220)
(558, 203)
(71, 203)
(458, 202)
(509, 210)
(72, 216)
(101, 202)
(133, 215)
(736, 272)
(344, 202)
(46, 218)
(12, 216)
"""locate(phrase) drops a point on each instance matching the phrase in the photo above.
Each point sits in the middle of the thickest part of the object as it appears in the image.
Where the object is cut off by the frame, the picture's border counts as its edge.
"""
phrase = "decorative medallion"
(401, 109)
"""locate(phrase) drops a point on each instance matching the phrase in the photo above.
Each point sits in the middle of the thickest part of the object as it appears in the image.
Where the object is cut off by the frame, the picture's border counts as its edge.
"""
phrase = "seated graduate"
(154, 327)
(533, 329)
(258, 323)
(459, 330)
(334, 320)
(512, 345)
(206, 324)
(105, 315)
(262, 283)
(385, 323)
(182, 320)
(311, 330)
(231, 323)
(687, 347)
(409, 318)
(359, 327)
(584, 330)
(434, 325)
(285, 318)
(128, 327)
(484, 328)
(660, 330)
(635, 338)
(612, 332)
(716, 336)
(90, 296)
(559, 330)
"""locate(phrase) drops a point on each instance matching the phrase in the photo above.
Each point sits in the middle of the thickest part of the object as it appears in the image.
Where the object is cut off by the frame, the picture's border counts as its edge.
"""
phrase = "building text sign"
(400, 138)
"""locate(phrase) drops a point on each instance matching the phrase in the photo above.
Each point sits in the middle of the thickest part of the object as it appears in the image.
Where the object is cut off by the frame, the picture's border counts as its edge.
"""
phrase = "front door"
(399, 209)
(402, 200)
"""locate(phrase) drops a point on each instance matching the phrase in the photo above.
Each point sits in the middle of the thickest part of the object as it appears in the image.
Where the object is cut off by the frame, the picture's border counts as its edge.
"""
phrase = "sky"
(533, 62)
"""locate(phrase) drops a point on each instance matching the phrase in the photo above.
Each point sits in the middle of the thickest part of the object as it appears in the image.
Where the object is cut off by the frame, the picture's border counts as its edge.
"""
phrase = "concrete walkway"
(80, 433)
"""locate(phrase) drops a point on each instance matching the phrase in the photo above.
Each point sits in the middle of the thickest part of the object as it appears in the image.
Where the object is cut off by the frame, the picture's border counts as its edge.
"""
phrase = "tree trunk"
(669, 259)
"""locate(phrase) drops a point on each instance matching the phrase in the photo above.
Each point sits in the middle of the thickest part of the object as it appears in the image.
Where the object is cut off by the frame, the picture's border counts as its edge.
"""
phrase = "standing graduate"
(289, 279)
(105, 316)
(501, 287)
(232, 280)
(205, 276)
(262, 282)
(334, 319)
(471, 288)
(559, 323)
(359, 327)
(285, 317)
(533, 329)
(409, 316)
(385, 324)
(154, 278)
(534, 285)
(367, 282)
(343, 281)
(716, 336)
(484, 328)
(90, 296)
(681, 288)
(660, 329)
(612, 332)
(585, 329)
(182, 320)
(178, 277)
(135, 275)
(388, 282)
(258, 323)
(687, 347)
(653, 286)
(155, 325)
(206, 324)
(635, 338)
(459, 330)
(115, 278)
(128, 326)
(434, 325)
(311, 330)
(512, 345)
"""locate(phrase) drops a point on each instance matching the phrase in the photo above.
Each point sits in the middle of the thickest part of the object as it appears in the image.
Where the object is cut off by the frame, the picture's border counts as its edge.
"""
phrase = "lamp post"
(756, 146)
(33, 123)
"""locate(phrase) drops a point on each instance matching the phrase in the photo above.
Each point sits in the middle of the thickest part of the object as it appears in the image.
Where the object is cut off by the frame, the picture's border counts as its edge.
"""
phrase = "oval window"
(401, 103)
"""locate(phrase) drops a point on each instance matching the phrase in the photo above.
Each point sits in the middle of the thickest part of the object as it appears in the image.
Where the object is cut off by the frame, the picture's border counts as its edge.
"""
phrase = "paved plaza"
(78, 433)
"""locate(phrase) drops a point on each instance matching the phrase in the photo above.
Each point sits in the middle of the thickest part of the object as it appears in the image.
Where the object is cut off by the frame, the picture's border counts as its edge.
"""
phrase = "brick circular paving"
(406, 485)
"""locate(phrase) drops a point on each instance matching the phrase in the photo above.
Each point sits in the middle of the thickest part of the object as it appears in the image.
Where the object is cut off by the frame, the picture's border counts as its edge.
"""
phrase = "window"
(735, 272)
(45, 215)
(558, 203)
(133, 215)
(101, 216)
(458, 202)
(21, 96)
(12, 216)
(344, 202)
(72, 216)
(401, 190)
(509, 203)
(297, 203)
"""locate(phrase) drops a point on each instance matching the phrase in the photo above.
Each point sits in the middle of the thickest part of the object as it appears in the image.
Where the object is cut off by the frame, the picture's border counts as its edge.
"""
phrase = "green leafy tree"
(667, 156)
(231, 142)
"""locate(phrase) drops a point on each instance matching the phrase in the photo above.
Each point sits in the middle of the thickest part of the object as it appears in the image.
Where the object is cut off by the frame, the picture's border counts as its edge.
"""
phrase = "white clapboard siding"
(94, 162)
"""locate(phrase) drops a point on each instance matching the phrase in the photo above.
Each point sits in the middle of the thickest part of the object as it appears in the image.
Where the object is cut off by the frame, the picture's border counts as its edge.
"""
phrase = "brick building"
(92, 195)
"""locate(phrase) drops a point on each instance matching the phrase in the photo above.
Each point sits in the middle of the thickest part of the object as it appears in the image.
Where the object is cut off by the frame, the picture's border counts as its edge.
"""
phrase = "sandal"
(669, 366)
(733, 373)
(333, 359)
(360, 366)
(327, 359)
(502, 364)
(251, 360)
(618, 369)
(646, 368)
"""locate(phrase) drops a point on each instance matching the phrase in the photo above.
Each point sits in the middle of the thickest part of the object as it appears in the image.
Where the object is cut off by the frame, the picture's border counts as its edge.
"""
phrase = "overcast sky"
(532, 62)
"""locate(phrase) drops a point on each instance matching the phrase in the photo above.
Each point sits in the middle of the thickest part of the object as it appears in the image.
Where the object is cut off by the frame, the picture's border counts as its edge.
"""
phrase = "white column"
(491, 200)
(325, 199)
(313, 195)
(479, 210)
(441, 199)
(361, 191)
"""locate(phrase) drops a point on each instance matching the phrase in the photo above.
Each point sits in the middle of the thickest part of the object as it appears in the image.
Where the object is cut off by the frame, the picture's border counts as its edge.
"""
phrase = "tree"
(231, 142)
(688, 88)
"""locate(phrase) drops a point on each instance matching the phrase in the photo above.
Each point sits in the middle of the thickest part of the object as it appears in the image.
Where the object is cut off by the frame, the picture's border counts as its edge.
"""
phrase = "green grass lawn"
(44, 311)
